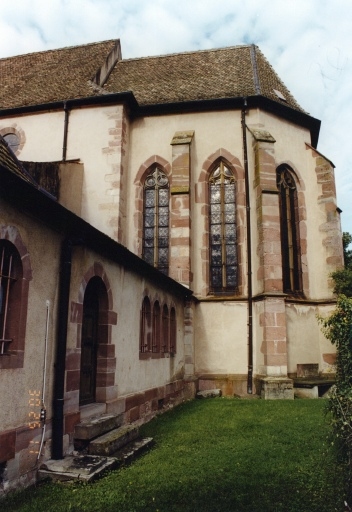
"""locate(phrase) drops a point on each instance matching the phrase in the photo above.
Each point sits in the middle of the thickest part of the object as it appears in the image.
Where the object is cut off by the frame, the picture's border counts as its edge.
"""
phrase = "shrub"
(338, 329)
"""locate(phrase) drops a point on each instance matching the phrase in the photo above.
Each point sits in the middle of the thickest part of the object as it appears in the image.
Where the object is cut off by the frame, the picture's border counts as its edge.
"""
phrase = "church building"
(167, 226)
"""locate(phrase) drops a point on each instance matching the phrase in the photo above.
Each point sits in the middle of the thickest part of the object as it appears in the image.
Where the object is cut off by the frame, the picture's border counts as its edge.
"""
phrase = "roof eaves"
(296, 116)
(106, 99)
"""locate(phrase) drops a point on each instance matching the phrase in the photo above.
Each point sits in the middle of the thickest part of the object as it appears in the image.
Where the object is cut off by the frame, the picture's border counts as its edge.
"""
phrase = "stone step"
(96, 426)
(112, 441)
(77, 467)
(132, 450)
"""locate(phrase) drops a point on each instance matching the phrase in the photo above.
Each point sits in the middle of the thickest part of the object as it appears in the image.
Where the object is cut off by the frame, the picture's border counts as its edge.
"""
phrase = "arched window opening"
(173, 331)
(156, 220)
(12, 140)
(222, 229)
(95, 305)
(156, 328)
(145, 334)
(10, 295)
(165, 329)
(290, 238)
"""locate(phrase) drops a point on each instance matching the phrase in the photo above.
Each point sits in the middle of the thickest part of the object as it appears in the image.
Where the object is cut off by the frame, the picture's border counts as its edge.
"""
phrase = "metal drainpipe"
(60, 366)
(64, 146)
(249, 254)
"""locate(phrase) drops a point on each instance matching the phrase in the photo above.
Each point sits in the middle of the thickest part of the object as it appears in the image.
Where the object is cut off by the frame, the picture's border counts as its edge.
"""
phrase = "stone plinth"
(277, 388)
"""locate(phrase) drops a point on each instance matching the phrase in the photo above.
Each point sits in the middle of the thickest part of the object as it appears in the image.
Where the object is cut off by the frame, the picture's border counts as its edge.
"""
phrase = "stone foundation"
(229, 385)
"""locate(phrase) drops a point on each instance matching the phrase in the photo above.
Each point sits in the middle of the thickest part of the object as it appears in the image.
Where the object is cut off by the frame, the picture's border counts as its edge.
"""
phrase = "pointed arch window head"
(290, 237)
(222, 229)
(156, 220)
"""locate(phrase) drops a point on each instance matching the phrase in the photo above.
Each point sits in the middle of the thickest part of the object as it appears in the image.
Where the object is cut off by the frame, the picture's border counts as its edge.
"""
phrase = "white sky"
(308, 42)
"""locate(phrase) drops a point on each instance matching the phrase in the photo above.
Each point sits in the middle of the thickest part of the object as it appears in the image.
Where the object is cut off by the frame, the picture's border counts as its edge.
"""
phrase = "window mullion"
(223, 239)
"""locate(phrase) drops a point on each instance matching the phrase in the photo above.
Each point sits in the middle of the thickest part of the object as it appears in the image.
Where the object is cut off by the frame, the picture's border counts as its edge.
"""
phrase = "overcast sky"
(308, 42)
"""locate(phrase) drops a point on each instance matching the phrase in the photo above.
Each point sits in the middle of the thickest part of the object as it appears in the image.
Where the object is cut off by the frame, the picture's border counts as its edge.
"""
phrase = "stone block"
(113, 441)
(277, 388)
(209, 393)
(95, 427)
(306, 392)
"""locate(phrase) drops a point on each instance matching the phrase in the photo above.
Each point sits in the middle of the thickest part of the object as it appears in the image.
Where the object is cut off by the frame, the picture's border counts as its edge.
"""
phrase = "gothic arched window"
(222, 229)
(156, 220)
(10, 295)
(290, 239)
(146, 326)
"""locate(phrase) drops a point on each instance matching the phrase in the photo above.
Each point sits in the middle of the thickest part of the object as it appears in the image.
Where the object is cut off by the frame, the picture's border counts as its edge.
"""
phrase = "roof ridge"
(189, 52)
(60, 49)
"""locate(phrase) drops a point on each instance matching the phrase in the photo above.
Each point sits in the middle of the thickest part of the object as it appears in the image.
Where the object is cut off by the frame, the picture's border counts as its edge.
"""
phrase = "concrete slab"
(79, 467)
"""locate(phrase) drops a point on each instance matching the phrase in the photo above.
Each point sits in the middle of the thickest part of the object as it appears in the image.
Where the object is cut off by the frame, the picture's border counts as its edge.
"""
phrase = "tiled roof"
(50, 76)
(64, 74)
(237, 71)
(9, 161)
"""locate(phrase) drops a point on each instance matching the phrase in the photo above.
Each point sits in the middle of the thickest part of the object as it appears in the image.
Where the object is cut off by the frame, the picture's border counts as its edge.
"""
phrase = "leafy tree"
(343, 277)
(347, 253)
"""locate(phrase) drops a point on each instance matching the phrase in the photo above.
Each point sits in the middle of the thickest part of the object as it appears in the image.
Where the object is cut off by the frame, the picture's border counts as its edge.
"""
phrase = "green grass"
(216, 455)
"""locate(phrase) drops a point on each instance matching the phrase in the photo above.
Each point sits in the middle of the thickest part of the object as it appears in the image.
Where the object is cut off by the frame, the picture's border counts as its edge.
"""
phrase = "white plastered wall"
(20, 384)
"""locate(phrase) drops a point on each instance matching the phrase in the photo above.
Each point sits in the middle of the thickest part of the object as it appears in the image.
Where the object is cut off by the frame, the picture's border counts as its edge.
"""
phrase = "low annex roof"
(20, 189)
(98, 69)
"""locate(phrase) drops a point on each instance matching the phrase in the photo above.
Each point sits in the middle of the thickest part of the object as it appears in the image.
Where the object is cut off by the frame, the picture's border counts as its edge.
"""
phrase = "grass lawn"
(215, 455)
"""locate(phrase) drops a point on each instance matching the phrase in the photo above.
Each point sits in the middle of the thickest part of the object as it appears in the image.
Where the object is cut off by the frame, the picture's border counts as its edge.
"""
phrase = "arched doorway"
(95, 302)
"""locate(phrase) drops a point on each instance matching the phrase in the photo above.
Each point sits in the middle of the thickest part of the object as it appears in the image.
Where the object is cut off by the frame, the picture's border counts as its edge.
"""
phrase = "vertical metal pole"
(249, 254)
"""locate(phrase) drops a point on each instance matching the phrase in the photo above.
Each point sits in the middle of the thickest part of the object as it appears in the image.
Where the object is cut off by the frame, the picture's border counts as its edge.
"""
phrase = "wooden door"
(89, 346)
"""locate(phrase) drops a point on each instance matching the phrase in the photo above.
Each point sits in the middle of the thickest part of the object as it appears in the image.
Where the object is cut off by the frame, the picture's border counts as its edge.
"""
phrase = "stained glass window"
(289, 223)
(156, 220)
(222, 228)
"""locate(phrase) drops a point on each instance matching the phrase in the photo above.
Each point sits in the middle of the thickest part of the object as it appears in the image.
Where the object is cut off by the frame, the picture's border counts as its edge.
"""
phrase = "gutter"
(249, 252)
(105, 99)
(64, 145)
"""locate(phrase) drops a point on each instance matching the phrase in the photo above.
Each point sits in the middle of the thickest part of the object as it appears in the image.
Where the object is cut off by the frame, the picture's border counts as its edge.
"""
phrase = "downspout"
(249, 253)
(60, 366)
(64, 146)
